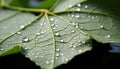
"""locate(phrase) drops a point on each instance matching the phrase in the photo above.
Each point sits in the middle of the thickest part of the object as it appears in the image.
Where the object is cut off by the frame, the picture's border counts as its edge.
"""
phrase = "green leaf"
(52, 42)
(63, 5)
(15, 49)
(98, 22)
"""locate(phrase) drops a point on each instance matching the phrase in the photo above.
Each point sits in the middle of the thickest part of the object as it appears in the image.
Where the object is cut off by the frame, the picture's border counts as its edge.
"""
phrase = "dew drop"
(69, 6)
(73, 31)
(57, 34)
(47, 62)
(52, 19)
(79, 51)
(41, 56)
(25, 39)
(52, 25)
(72, 15)
(92, 17)
(61, 40)
(101, 26)
(108, 36)
(42, 32)
(78, 5)
(18, 33)
(1, 49)
(86, 6)
(57, 55)
(4, 27)
(66, 59)
(74, 46)
(58, 50)
(78, 9)
(52, 61)
(77, 16)
(44, 48)
(38, 33)
(83, 42)
(21, 26)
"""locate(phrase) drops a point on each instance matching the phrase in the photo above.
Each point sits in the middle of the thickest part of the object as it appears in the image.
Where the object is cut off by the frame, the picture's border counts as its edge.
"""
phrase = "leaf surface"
(52, 42)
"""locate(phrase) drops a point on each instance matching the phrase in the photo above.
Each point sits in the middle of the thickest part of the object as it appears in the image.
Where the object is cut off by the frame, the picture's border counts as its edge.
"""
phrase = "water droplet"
(44, 48)
(79, 51)
(58, 50)
(1, 49)
(52, 19)
(52, 61)
(56, 57)
(47, 62)
(77, 16)
(78, 5)
(83, 42)
(57, 54)
(57, 34)
(73, 31)
(70, 45)
(61, 40)
(69, 6)
(78, 9)
(41, 56)
(52, 25)
(66, 59)
(21, 26)
(108, 36)
(74, 46)
(72, 15)
(86, 6)
(18, 33)
(101, 26)
(92, 17)
(25, 39)
(42, 32)
(38, 33)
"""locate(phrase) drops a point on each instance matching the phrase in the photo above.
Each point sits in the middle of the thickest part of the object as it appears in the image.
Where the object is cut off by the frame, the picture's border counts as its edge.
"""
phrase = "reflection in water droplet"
(61, 54)
(18, 33)
(52, 19)
(57, 34)
(25, 39)
(86, 6)
(1, 49)
(77, 16)
(101, 26)
(47, 62)
(61, 40)
(78, 9)
(57, 55)
(21, 26)
(73, 31)
(78, 5)
(58, 50)
(79, 51)
(38, 33)
(69, 6)
(108, 36)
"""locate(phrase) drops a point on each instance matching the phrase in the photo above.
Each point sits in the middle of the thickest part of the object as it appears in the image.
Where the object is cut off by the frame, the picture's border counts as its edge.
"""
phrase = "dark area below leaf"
(97, 58)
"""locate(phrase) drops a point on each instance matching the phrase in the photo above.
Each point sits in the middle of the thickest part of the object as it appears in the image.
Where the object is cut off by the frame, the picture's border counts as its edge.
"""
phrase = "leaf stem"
(24, 9)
